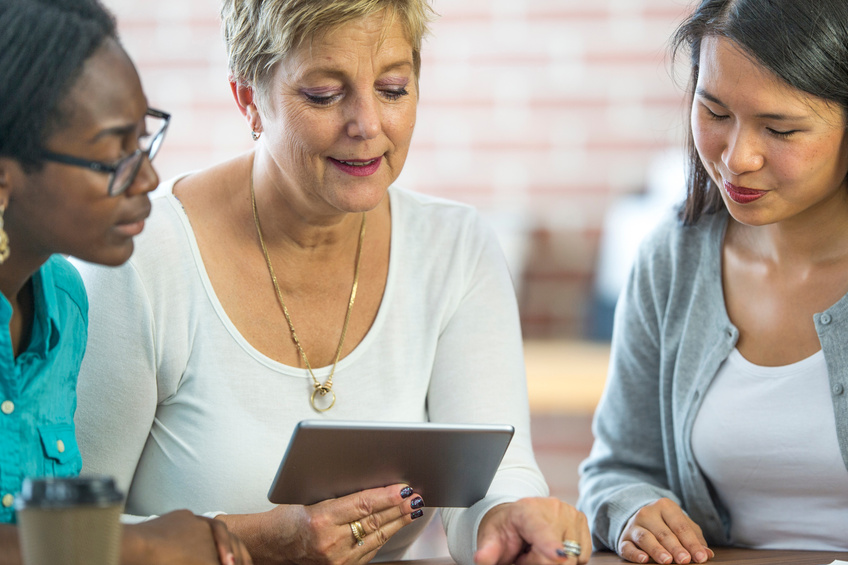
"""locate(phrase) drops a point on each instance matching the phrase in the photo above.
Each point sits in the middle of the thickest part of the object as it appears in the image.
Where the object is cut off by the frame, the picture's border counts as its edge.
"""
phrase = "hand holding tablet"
(450, 465)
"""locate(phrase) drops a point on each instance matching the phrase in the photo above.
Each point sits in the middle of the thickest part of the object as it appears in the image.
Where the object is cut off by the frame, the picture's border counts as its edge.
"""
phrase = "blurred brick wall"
(540, 112)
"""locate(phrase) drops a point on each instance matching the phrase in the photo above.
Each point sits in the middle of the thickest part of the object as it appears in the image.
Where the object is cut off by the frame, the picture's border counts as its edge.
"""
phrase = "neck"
(14, 276)
(296, 220)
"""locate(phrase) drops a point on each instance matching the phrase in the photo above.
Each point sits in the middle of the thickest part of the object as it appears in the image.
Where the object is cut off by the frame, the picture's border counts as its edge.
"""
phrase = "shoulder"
(67, 283)
(673, 246)
(433, 221)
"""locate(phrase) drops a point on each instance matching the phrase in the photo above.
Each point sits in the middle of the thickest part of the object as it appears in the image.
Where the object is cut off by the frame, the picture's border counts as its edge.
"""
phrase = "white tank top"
(765, 437)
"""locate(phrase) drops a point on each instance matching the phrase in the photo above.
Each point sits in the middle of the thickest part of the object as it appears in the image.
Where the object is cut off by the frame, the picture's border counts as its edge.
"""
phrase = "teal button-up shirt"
(38, 389)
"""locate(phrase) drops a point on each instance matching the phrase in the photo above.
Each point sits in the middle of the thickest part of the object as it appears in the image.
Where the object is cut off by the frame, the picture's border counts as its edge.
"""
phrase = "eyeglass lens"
(148, 144)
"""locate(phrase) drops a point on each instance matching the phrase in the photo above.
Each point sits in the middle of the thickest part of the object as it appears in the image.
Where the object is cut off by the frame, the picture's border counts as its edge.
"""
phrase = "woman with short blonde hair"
(296, 281)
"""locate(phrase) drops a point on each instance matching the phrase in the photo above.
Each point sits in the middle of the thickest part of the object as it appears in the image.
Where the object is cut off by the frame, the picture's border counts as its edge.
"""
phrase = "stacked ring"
(572, 548)
(358, 532)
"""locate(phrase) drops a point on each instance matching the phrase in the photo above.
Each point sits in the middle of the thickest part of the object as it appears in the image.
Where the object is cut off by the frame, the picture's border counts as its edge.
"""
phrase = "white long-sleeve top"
(185, 413)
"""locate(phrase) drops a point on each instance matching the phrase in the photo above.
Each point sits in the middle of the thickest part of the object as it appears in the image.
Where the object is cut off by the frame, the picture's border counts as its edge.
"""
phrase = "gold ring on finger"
(572, 548)
(358, 532)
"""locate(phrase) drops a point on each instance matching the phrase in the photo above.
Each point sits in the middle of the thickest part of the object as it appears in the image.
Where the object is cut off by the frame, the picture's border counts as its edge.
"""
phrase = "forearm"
(10, 549)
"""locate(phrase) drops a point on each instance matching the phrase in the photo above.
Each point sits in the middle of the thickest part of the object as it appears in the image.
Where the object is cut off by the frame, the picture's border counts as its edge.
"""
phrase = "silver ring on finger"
(572, 548)
(358, 532)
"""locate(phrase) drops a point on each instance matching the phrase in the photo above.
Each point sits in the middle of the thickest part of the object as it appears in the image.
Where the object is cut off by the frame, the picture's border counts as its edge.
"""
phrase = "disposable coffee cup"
(69, 521)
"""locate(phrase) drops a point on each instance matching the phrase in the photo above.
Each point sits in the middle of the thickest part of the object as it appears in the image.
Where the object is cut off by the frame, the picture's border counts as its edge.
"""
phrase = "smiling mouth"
(743, 194)
(355, 163)
(358, 167)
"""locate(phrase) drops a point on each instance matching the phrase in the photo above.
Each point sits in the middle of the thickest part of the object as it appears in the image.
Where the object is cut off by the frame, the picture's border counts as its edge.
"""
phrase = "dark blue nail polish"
(562, 553)
(417, 514)
(417, 502)
(406, 492)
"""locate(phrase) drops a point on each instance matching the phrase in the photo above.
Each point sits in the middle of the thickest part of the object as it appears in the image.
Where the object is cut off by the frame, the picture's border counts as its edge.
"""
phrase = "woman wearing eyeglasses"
(76, 139)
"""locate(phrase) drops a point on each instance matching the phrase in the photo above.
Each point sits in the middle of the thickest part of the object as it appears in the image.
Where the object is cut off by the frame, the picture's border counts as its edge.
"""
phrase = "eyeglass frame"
(111, 169)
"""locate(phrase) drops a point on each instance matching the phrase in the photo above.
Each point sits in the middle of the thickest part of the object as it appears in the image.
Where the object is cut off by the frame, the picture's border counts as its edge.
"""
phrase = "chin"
(360, 201)
(108, 255)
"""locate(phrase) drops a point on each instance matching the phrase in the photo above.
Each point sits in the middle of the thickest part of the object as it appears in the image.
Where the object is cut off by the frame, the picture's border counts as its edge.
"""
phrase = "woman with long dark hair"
(725, 418)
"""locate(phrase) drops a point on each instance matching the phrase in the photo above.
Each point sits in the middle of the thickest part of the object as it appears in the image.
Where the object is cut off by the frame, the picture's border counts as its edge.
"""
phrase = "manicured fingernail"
(665, 558)
(231, 559)
(700, 557)
(562, 553)
(683, 557)
(417, 502)
(406, 492)
(643, 558)
(417, 514)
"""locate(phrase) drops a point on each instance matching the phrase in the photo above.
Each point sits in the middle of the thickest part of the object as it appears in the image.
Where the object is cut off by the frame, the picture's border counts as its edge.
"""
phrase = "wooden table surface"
(726, 555)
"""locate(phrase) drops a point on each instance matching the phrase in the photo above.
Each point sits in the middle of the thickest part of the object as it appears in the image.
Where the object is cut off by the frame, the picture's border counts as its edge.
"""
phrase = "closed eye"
(781, 134)
(712, 114)
(395, 94)
(323, 99)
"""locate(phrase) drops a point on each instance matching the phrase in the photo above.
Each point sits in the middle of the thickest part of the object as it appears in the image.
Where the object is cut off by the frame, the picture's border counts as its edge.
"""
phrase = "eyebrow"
(334, 72)
(118, 131)
(777, 117)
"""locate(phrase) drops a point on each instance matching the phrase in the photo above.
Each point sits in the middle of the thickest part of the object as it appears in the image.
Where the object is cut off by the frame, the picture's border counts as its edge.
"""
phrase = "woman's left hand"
(531, 531)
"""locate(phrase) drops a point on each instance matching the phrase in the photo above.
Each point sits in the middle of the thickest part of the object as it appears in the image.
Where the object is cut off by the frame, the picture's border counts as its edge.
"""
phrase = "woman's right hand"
(182, 538)
(321, 534)
(663, 532)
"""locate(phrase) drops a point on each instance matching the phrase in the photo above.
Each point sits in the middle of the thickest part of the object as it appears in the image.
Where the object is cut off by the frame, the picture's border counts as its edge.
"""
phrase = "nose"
(742, 153)
(145, 179)
(363, 119)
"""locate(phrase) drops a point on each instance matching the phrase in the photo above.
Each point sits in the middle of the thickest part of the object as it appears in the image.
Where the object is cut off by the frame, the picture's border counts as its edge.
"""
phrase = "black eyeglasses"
(122, 174)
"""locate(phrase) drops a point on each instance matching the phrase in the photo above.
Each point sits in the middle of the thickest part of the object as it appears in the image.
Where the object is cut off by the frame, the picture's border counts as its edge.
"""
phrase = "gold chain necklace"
(327, 387)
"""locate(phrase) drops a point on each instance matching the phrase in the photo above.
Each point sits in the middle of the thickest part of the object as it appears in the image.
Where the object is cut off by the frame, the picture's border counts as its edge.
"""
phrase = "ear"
(11, 175)
(245, 98)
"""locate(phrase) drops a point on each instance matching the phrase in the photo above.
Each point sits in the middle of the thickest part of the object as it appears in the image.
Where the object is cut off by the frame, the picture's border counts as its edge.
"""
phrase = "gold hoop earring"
(4, 239)
(255, 135)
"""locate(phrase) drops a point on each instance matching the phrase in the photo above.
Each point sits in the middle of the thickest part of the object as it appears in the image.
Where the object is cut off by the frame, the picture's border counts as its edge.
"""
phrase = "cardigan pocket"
(62, 456)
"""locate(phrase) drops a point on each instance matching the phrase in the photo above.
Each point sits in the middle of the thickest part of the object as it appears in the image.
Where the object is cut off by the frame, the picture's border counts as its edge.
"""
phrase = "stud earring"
(255, 134)
(4, 239)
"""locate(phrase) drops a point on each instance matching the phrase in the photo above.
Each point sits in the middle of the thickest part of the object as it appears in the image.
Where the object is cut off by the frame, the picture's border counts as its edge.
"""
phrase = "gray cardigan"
(671, 334)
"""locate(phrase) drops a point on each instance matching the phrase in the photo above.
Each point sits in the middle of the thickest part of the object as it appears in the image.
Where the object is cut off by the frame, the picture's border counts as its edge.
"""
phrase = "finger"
(689, 535)
(546, 538)
(381, 529)
(645, 540)
(408, 510)
(489, 550)
(223, 541)
(586, 542)
(367, 502)
(630, 552)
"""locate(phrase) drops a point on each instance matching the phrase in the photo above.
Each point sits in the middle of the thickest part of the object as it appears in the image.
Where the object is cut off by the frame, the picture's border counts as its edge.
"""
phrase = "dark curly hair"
(43, 46)
(803, 42)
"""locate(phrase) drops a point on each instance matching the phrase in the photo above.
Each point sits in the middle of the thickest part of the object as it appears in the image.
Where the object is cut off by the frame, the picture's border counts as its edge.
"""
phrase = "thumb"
(489, 550)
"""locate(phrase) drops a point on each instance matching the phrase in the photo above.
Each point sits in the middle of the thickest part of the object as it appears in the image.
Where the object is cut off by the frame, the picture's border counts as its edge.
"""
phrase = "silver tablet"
(447, 464)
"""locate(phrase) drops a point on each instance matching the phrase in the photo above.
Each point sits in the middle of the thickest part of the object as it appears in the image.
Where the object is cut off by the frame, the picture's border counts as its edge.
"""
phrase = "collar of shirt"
(45, 327)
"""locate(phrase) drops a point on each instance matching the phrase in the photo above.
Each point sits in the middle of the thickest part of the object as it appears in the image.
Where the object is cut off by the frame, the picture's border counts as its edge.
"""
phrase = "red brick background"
(541, 112)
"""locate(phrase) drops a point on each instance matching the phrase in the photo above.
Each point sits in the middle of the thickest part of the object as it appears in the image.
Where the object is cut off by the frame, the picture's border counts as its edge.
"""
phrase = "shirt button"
(8, 500)
(838, 389)
(7, 407)
(825, 319)
(60, 446)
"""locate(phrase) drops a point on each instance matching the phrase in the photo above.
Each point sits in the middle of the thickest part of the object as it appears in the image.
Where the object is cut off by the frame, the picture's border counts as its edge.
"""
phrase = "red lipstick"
(743, 195)
(358, 167)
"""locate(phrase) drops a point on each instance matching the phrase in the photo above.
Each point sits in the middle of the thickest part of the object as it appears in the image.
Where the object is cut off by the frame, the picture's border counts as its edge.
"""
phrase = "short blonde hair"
(261, 33)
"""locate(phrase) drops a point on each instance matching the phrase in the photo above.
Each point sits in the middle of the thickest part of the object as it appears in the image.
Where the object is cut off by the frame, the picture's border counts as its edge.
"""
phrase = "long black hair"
(43, 46)
(803, 42)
